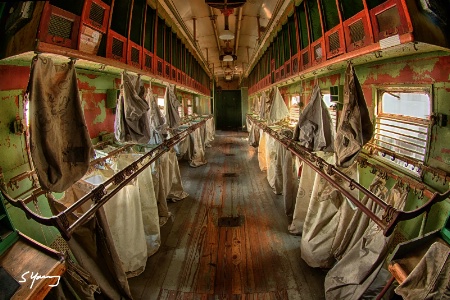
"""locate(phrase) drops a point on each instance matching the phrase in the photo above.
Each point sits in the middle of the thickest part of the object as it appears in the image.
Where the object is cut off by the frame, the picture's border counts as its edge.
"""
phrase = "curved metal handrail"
(391, 215)
(99, 195)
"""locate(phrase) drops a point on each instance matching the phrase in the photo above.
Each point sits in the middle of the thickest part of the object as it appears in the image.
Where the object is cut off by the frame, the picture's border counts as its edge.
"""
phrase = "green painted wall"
(93, 88)
(431, 70)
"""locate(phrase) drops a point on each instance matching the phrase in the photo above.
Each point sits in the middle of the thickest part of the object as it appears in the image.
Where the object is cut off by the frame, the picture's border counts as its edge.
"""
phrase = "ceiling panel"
(206, 34)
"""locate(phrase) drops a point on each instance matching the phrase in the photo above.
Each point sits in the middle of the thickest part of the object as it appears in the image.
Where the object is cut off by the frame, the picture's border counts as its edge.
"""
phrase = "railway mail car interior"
(226, 149)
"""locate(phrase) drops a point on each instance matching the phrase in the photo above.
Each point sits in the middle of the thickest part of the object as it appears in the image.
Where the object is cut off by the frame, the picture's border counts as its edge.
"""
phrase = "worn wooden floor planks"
(199, 260)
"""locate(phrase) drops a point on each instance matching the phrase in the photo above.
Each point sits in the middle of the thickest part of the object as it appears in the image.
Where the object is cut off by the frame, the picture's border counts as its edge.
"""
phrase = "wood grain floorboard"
(200, 260)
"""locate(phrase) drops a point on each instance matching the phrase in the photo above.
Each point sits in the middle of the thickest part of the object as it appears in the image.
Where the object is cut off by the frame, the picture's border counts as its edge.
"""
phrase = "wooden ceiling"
(205, 23)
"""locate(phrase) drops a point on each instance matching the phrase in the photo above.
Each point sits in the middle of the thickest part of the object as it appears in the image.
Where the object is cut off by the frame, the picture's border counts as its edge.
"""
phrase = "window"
(181, 108)
(189, 107)
(331, 108)
(402, 125)
(294, 109)
(161, 103)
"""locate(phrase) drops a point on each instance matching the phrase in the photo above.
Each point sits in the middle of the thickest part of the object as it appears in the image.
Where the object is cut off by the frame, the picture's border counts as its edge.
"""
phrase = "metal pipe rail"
(99, 195)
(391, 215)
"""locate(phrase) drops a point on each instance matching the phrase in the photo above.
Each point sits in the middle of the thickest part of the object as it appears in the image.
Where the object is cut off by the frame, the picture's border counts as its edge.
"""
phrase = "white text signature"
(36, 276)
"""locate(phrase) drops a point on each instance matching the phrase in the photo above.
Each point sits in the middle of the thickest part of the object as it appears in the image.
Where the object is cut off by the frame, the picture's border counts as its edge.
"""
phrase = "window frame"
(378, 110)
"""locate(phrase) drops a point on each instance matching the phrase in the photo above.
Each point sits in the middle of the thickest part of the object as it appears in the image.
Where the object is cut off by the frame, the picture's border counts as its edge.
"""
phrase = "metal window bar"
(402, 135)
(391, 215)
(386, 122)
(397, 146)
(100, 194)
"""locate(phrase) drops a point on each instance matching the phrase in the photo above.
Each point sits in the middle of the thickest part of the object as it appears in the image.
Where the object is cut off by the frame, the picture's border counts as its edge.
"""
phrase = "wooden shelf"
(90, 62)
(403, 46)
(27, 255)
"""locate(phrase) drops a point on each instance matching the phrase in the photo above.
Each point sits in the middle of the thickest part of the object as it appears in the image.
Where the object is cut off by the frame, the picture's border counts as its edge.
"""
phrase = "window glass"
(406, 104)
(161, 104)
(294, 109)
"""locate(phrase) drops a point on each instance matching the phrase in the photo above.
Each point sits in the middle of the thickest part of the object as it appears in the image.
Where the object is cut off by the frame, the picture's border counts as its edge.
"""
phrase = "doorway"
(228, 110)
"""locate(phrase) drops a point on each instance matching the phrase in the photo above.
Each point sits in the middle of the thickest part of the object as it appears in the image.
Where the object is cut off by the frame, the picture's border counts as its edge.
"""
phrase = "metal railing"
(391, 215)
(100, 195)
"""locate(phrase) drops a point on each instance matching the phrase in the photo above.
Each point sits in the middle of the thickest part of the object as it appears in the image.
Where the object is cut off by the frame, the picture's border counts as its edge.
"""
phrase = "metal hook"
(420, 194)
(352, 184)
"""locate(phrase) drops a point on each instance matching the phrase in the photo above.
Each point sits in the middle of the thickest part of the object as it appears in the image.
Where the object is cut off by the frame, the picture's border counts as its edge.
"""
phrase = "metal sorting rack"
(100, 195)
(391, 215)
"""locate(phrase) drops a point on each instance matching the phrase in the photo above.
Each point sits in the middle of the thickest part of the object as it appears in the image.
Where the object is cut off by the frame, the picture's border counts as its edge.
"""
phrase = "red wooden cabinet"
(167, 68)
(305, 55)
(116, 46)
(287, 69)
(357, 32)
(134, 54)
(59, 27)
(318, 51)
(96, 15)
(295, 63)
(173, 74)
(147, 62)
(334, 42)
(389, 18)
(159, 66)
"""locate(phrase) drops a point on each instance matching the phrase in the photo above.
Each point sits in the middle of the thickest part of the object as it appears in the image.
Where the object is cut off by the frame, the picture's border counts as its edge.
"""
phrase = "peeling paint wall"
(430, 70)
(93, 87)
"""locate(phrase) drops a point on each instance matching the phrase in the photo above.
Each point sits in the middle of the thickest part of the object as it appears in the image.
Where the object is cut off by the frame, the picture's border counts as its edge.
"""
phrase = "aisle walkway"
(200, 260)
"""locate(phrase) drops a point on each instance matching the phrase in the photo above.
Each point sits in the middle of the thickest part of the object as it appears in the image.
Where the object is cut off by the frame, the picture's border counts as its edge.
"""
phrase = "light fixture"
(226, 35)
(228, 69)
(228, 58)
(228, 77)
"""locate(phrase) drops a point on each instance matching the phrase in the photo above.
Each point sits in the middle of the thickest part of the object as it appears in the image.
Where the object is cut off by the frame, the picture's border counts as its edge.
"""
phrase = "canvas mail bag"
(314, 129)
(59, 139)
(132, 120)
(355, 128)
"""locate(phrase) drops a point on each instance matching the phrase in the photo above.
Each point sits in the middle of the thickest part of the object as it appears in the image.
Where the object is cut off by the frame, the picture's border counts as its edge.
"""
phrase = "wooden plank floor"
(199, 260)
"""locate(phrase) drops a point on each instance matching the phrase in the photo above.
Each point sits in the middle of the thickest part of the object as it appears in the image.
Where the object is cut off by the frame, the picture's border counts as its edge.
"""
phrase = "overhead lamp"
(228, 77)
(228, 58)
(228, 69)
(226, 35)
